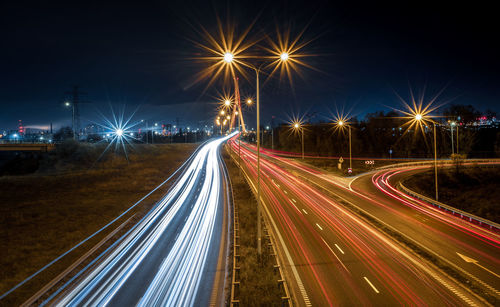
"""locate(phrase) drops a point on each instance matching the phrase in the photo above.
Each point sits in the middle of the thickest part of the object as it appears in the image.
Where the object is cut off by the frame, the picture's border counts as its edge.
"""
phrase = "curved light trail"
(342, 259)
(166, 259)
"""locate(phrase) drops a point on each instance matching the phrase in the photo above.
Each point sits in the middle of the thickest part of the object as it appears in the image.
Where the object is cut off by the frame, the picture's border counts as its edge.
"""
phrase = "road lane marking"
(331, 250)
(285, 192)
(474, 261)
(294, 200)
(297, 209)
(369, 282)
(305, 211)
(418, 264)
(319, 226)
(339, 249)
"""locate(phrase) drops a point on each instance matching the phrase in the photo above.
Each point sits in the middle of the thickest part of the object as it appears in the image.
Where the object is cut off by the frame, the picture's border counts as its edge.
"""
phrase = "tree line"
(383, 135)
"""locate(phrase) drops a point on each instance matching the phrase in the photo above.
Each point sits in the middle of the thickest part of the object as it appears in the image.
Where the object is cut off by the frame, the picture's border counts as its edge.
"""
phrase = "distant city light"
(284, 56)
(418, 116)
(119, 132)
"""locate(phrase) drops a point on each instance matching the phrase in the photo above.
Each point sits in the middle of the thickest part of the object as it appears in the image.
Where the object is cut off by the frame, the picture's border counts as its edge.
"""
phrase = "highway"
(456, 242)
(175, 256)
(332, 256)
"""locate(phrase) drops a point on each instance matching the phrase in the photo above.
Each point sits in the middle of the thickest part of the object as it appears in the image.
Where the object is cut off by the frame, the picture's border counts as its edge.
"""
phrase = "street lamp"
(341, 124)
(297, 126)
(283, 57)
(419, 118)
(229, 60)
(452, 124)
(228, 57)
(72, 105)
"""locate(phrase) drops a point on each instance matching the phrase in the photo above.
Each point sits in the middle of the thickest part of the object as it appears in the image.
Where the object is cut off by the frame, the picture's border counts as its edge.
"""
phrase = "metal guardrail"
(456, 212)
(286, 300)
(439, 162)
(235, 284)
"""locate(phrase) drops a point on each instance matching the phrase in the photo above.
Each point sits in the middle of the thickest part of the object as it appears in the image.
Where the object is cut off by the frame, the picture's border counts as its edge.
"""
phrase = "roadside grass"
(44, 214)
(475, 190)
(258, 278)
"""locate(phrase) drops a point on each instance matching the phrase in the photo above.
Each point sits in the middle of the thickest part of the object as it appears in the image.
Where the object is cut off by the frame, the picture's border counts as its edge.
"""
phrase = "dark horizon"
(138, 55)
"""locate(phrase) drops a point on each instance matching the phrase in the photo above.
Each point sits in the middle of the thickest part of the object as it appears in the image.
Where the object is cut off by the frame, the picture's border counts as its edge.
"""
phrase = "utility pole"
(75, 102)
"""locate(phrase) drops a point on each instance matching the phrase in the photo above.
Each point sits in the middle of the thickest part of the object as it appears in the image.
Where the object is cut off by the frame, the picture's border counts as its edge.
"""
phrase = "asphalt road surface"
(332, 256)
(174, 256)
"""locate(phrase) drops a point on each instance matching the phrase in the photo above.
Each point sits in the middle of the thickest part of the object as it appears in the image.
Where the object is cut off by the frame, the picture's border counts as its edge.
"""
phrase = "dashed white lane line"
(285, 192)
(319, 226)
(297, 208)
(294, 200)
(371, 285)
(339, 248)
(305, 211)
(331, 250)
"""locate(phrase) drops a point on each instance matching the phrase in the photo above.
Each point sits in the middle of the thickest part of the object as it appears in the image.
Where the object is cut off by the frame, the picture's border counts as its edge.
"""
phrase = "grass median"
(258, 278)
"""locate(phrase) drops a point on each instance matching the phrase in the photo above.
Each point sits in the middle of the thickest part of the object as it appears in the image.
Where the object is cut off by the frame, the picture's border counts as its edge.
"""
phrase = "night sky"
(139, 55)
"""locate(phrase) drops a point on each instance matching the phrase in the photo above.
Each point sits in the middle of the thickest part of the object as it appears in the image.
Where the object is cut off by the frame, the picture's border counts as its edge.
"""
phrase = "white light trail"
(177, 280)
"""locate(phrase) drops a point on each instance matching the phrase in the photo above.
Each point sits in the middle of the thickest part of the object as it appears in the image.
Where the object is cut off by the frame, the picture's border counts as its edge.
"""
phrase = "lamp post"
(72, 105)
(419, 118)
(239, 143)
(228, 57)
(452, 124)
(298, 126)
(146, 122)
(341, 123)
